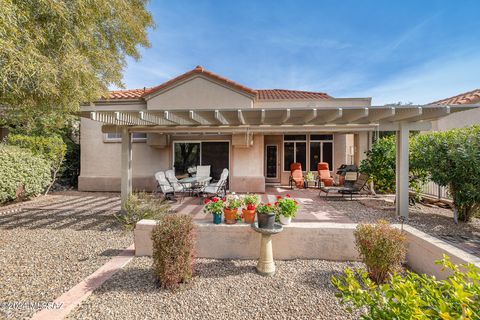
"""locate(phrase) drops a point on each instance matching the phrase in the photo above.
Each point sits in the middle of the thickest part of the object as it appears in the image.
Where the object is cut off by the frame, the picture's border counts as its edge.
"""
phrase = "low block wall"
(326, 241)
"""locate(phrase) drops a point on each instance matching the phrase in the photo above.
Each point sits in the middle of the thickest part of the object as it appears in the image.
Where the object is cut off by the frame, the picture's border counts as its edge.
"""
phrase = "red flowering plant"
(232, 202)
(286, 206)
(213, 206)
(250, 201)
(265, 208)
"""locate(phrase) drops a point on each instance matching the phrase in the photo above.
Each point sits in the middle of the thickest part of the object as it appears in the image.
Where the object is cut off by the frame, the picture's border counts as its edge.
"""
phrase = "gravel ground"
(431, 220)
(221, 289)
(53, 244)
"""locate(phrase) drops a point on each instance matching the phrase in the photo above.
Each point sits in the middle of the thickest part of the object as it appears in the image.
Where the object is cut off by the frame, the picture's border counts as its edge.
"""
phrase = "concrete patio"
(312, 207)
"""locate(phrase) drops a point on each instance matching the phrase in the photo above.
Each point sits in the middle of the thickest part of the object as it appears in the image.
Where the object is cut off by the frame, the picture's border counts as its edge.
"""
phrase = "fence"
(434, 190)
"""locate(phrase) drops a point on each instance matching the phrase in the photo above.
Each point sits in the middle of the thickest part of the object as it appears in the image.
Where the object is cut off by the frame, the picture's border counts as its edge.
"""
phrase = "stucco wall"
(457, 120)
(100, 161)
(247, 167)
(199, 93)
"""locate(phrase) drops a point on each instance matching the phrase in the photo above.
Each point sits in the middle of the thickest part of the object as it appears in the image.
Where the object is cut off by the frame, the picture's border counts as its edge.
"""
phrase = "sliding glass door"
(191, 154)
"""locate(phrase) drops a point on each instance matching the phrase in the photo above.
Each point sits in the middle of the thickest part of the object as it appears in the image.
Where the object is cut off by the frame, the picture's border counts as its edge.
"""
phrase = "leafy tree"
(452, 158)
(55, 55)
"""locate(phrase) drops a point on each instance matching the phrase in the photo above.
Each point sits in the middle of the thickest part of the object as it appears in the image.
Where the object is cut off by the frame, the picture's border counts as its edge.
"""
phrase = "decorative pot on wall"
(285, 220)
(217, 218)
(266, 221)
(248, 216)
(230, 215)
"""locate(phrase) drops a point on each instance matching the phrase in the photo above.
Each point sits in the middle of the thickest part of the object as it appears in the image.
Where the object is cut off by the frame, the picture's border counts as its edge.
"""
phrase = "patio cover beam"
(194, 116)
(220, 118)
(402, 171)
(311, 116)
(241, 118)
(126, 166)
(286, 116)
(332, 116)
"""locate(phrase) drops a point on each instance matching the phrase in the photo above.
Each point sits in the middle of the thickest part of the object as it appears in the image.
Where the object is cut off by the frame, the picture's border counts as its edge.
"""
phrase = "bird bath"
(265, 264)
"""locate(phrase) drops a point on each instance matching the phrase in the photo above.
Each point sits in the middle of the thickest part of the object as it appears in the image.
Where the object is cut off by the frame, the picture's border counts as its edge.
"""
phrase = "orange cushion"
(322, 166)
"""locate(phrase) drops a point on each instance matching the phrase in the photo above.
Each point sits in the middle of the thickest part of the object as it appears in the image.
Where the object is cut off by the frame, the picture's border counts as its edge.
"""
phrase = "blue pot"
(217, 218)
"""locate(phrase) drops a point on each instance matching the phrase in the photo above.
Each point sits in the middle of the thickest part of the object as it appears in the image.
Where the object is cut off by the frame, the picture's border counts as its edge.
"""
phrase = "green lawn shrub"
(173, 250)
(22, 174)
(382, 248)
(142, 206)
(51, 148)
(452, 158)
(413, 296)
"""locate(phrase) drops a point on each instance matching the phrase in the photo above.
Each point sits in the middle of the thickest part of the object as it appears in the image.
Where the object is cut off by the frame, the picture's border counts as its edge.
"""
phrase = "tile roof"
(280, 94)
(263, 94)
(470, 97)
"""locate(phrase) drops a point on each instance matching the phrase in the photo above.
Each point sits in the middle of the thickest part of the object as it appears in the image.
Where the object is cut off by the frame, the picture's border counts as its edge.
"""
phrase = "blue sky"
(408, 51)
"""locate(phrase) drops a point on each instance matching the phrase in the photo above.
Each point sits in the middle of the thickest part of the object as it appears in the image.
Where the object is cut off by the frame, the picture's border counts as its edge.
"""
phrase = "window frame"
(294, 151)
(321, 151)
(106, 139)
(307, 141)
(172, 159)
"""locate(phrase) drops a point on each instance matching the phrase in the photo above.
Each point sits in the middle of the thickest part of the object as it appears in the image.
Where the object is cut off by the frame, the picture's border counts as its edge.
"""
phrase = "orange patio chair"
(296, 175)
(324, 174)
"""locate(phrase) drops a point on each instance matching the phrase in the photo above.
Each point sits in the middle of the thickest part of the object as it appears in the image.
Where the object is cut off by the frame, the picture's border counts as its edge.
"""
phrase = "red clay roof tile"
(470, 97)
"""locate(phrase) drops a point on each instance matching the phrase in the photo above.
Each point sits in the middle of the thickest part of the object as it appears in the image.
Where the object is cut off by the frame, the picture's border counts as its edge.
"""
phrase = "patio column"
(126, 167)
(402, 170)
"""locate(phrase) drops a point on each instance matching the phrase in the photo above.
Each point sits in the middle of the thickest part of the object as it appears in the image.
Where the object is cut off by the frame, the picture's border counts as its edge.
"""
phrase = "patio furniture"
(324, 175)
(177, 187)
(218, 188)
(164, 186)
(349, 179)
(203, 171)
(357, 187)
(296, 175)
(344, 170)
(194, 185)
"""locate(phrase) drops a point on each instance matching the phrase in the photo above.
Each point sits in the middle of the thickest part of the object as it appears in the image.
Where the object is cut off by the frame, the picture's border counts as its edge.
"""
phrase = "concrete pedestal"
(265, 264)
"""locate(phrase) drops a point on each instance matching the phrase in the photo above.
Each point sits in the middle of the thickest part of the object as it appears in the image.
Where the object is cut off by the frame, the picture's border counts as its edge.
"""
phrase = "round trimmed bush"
(22, 175)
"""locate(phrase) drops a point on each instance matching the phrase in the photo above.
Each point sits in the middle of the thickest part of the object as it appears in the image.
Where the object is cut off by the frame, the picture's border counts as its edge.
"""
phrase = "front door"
(271, 163)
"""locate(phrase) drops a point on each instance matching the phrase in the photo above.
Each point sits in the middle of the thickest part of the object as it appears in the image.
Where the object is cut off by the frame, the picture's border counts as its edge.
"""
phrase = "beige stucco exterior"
(101, 159)
(457, 120)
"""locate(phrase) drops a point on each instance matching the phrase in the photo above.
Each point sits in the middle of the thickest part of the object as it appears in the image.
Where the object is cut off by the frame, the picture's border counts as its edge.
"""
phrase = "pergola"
(401, 119)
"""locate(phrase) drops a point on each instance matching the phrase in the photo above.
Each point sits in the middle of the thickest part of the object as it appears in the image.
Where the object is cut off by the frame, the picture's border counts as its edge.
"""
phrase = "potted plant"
(266, 215)
(250, 202)
(309, 178)
(214, 206)
(232, 203)
(287, 208)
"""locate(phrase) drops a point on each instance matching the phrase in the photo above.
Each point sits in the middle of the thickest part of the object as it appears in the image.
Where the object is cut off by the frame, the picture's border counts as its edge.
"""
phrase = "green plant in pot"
(215, 207)
(232, 203)
(287, 208)
(250, 202)
(266, 215)
(309, 176)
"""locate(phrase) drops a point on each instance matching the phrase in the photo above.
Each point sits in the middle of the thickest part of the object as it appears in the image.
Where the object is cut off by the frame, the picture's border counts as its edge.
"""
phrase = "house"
(460, 119)
(200, 117)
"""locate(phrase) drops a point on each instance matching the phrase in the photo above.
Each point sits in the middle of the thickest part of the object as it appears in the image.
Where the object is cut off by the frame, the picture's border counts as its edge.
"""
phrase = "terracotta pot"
(248, 216)
(266, 221)
(230, 215)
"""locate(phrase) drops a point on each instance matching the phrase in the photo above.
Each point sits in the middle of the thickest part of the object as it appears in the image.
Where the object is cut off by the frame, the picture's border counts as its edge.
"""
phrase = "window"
(321, 150)
(186, 155)
(117, 136)
(191, 154)
(294, 150)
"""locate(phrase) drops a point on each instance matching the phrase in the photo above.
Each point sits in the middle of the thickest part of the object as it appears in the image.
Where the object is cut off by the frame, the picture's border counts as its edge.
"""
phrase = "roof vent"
(199, 68)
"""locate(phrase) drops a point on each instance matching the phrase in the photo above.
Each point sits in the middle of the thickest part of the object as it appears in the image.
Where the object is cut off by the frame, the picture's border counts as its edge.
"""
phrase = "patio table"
(194, 184)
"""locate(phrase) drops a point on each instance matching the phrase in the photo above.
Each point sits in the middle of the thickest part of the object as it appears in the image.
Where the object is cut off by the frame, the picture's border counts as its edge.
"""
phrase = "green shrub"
(452, 158)
(173, 250)
(382, 249)
(22, 175)
(142, 206)
(51, 148)
(380, 166)
(414, 296)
